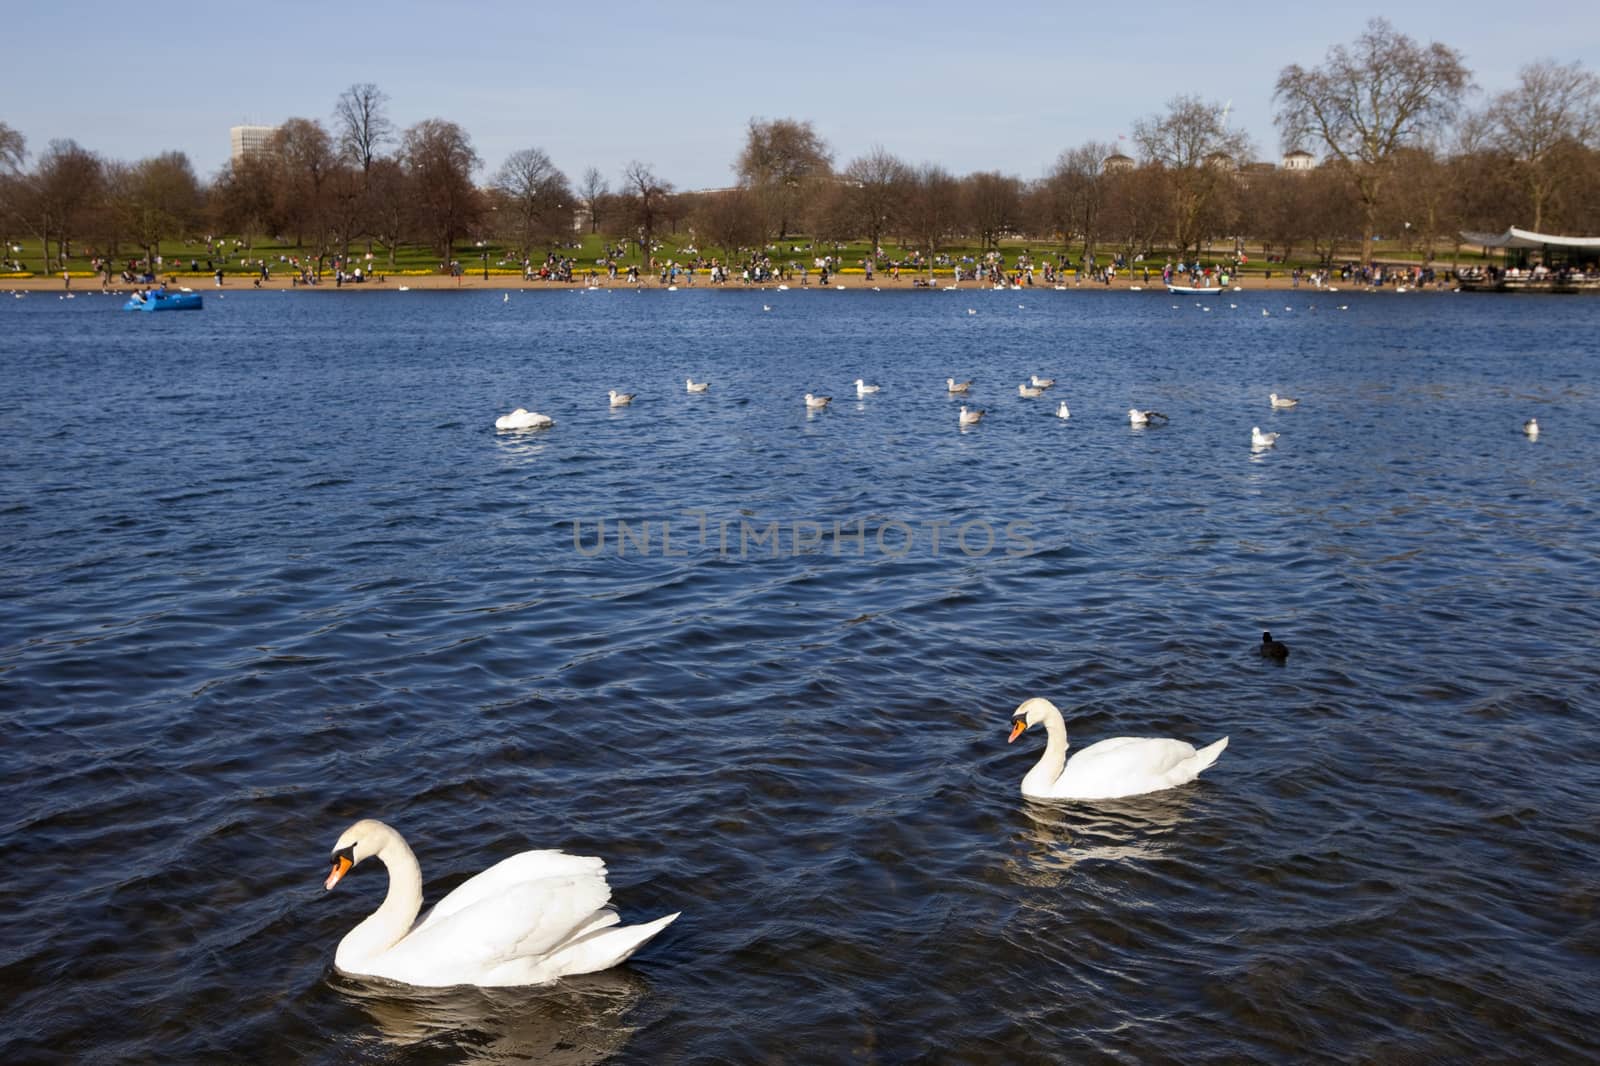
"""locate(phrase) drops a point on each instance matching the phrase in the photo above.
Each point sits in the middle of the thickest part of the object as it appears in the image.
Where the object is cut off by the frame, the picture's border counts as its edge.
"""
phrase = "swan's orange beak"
(341, 866)
(1016, 729)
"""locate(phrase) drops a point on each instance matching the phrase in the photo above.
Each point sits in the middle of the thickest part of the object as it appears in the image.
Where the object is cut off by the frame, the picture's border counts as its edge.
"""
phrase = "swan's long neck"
(1054, 759)
(384, 927)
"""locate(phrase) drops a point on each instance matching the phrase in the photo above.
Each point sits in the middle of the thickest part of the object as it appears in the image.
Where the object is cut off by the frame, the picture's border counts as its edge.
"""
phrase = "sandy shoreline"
(205, 283)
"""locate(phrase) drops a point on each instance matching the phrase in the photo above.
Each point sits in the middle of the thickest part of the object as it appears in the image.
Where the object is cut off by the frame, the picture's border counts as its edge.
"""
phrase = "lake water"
(269, 568)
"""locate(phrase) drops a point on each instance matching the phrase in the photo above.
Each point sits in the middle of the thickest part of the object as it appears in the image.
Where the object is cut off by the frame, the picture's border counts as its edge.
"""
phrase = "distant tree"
(1553, 109)
(1074, 193)
(13, 153)
(361, 124)
(388, 204)
(592, 192)
(1368, 101)
(877, 183)
(157, 199)
(992, 203)
(932, 210)
(729, 220)
(536, 197)
(440, 160)
(1200, 154)
(305, 162)
(13, 149)
(781, 163)
(66, 181)
(1134, 208)
(242, 198)
(643, 203)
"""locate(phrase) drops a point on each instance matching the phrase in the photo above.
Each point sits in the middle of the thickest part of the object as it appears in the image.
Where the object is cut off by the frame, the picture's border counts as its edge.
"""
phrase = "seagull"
(1259, 439)
(817, 403)
(1137, 417)
(1029, 391)
(1041, 383)
(766, 307)
(621, 399)
(696, 386)
(505, 297)
(522, 418)
(1282, 401)
(970, 418)
(1062, 412)
(972, 311)
(862, 388)
(1273, 649)
(953, 387)
(1265, 313)
(1531, 428)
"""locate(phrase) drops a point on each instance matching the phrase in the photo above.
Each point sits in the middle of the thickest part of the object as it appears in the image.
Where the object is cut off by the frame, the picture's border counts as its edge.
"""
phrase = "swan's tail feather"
(1207, 755)
(601, 949)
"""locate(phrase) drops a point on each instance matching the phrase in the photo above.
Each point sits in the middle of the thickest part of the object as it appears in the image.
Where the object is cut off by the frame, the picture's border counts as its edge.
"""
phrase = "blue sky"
(970, 85)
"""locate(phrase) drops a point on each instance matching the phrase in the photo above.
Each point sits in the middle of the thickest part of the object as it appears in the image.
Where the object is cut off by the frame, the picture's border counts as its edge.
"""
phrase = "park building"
(250, 140)
(1299, 160)
(1116, 161)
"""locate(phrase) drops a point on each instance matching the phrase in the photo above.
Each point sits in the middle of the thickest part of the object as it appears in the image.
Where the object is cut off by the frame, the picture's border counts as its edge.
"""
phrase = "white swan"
(1259, 439)
(1531, 428)
(1110, 769)
(1041, 383)
(1029, 391)
(954, 386)
(970, 418)
(1062, 412)
(1282, 401)
(522, 418)
(621, 399)
(529, 919)
(697, 386)
(862, 388)
(817, 403)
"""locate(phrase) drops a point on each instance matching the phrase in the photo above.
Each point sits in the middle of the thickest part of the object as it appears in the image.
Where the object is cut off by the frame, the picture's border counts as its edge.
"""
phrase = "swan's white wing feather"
(502, 876)
(527, 920)
(1123, 766)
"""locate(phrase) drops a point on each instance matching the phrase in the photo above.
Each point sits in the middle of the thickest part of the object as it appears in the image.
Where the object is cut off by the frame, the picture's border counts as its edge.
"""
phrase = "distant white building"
(1298, 160)
(250, 140)
(1116, 161)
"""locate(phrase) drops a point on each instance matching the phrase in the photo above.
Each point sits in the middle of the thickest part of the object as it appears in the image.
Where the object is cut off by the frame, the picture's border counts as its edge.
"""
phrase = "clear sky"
(971, 85)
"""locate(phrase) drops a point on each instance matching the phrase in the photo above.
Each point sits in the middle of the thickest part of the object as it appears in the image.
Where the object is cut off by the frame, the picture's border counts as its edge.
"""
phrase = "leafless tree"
(156, 199)
(242, 198)
(389, 204)
(781, 162)
(65, 182)
(1073, 194)
(13, 153)
(536, 197)
(1200, 155)
(993, 206)
(1369, 100)
(440, 159)
(932, 209)
(13, 149)
(592, 191)
(361, 125)
(1553, 109)
(643, 199)
(305, 160)
(876, 184)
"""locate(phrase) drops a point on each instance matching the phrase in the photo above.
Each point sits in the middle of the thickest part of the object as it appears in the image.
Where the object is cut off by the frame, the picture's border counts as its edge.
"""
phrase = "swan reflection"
(1054, 838)
(575, 1022)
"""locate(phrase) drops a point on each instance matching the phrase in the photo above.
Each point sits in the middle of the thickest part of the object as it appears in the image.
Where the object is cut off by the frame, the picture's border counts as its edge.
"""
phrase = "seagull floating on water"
(522, 418)
(1137, 417)
(1259, 439)
(696, 386)
(1029, 391)
(1041, 383)
(862, 388)
(1282, 401)
(972, 310)
(970, 418)
(817, 403)
(1062, 412)
(951, 384)
(621, 399)
(1531, 428)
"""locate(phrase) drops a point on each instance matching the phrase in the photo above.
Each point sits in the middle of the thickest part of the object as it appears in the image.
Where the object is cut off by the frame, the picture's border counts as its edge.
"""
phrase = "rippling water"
(268, 569)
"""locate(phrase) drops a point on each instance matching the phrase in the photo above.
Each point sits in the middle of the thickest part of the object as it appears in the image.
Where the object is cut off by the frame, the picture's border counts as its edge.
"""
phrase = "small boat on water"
(1193, 290)
(163, 301)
